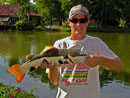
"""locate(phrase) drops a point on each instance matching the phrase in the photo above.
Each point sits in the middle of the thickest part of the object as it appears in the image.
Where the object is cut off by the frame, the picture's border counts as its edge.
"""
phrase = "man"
(82, 80)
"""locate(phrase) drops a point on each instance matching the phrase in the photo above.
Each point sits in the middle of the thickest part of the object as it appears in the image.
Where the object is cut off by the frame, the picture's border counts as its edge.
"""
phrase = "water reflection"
(14, 46)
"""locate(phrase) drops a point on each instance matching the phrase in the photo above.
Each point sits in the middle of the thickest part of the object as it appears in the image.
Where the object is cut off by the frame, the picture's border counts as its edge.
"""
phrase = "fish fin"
(47, 48)
(18, 74)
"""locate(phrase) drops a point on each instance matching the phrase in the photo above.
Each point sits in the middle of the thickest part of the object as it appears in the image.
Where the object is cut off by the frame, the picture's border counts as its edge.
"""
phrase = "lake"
(14, 46)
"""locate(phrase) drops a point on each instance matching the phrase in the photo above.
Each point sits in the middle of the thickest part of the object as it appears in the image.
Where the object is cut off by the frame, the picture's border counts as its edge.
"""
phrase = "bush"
(40, 28)
(24, 25)
(15, 92)
(65, 24)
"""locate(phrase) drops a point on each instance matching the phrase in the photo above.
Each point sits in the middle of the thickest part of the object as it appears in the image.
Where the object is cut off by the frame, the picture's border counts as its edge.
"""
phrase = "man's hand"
(46, 64)
(113, 63)
(92, 60)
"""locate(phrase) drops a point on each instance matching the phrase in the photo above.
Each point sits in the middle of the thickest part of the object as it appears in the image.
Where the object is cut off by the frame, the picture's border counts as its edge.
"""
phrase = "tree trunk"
(59, 17)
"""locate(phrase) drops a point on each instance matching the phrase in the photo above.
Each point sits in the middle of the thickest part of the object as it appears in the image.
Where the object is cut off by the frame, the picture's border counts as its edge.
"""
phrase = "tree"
(24, 11)
(3, 1)
(105, 13)
(66, 5)
(18, 2)
(125, 11)
(50, 9)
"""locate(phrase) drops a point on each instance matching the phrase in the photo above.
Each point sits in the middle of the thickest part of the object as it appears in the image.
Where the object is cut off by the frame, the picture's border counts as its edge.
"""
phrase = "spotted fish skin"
(64, 57)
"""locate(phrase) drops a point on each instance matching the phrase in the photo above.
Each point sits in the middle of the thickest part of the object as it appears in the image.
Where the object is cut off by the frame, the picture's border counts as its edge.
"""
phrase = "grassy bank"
(56, 28)
(90, 29)
(109, 29)
(14, 92)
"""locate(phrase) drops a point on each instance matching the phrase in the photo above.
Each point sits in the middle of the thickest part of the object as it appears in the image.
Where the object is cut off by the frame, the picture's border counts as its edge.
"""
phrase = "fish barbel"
(62, 57)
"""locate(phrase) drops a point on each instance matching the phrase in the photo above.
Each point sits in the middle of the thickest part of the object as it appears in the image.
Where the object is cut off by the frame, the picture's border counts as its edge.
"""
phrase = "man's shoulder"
(91, 38)
(61, 42)
(63, 39)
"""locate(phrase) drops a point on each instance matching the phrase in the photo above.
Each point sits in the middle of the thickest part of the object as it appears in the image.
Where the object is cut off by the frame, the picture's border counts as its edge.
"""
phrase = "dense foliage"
(24, 25)
(13, 92)
(104, 13)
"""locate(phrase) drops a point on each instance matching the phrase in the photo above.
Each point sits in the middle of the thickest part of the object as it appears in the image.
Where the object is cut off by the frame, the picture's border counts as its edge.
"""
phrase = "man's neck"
(77, 37)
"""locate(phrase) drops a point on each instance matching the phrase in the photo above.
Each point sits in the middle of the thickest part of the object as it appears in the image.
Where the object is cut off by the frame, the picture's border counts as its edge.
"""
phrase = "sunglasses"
(82, 20)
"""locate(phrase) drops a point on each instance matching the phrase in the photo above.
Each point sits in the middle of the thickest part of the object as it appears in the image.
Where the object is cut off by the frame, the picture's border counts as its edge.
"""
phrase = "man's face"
(78, 28)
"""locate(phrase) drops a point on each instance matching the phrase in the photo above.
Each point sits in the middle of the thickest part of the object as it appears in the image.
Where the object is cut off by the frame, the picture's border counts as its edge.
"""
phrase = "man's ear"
(69, 22)
(89, 21)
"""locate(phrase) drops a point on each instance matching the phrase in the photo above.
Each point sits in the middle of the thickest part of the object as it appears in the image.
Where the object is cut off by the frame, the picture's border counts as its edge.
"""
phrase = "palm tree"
(105, 13)
(24, 11)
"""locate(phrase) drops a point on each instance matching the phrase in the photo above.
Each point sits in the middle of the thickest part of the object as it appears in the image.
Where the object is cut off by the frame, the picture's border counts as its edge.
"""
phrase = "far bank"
(56, 28)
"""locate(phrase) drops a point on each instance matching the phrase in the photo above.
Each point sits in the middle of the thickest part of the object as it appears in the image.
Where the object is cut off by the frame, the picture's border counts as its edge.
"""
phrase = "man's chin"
(79, 32)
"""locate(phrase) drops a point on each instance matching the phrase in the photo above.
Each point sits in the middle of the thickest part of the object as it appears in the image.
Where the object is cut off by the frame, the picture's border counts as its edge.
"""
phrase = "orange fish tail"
(18, 74)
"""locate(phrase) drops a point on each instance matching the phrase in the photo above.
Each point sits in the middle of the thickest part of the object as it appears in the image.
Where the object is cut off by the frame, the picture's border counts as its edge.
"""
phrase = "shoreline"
(56, 28)
(89, 29)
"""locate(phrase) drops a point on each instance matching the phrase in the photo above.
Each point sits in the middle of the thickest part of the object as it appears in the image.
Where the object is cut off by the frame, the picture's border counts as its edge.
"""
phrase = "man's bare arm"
(110, 63)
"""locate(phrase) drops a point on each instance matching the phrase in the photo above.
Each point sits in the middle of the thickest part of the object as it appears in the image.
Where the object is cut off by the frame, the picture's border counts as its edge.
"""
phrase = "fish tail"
(18, 74)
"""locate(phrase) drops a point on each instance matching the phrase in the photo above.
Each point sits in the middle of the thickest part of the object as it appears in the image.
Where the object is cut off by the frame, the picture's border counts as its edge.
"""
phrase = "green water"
(14, 46)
